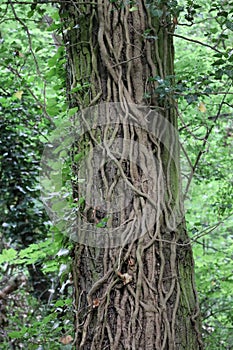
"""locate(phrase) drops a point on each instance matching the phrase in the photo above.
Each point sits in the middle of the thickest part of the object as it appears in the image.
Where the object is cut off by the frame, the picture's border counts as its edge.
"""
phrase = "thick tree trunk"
(135, 289)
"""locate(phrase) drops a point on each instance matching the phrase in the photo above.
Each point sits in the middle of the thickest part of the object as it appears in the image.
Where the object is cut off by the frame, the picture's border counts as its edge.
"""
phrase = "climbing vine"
(117, 51)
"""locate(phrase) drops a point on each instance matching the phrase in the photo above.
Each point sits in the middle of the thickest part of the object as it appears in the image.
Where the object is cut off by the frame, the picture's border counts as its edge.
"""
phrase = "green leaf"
(102, 223)
(78, 157)
(72, 111)
(15, 334)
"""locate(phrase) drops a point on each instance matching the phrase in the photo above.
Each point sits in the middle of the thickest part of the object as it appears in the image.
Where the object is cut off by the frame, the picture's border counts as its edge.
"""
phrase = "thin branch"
(4, 14)
(196, 42)
(186, 155)
(186, 126)
(204, 144)
(212, 117)
(207, 93)
(193, 23)
(28, 35)
(15, 71)
(23, 19)
(209, 229)
(43, 107)
(221, 115)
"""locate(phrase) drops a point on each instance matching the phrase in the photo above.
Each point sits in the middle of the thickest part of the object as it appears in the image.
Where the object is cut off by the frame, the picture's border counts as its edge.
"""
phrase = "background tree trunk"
(141, 294)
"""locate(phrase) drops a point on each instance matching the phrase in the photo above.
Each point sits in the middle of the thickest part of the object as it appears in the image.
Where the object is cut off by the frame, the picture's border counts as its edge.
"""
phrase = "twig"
(204, 144)
(14, 71)
(208, 93)
(28, 35)
(195, 41)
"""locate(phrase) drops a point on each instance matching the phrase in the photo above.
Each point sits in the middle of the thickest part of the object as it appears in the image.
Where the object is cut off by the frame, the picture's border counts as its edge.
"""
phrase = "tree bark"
(138, 294)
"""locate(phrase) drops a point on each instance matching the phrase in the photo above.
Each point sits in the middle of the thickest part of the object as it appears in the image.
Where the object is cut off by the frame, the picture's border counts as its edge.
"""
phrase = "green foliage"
(32, 96)
(212, 237)
(22, 216)
(204, 80)
(39, 328)
(35, 252)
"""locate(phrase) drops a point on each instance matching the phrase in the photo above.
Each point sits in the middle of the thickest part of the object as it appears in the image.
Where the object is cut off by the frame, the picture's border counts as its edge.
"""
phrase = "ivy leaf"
(72, 111)
(102, 223)
(8, 255)
(78, 156)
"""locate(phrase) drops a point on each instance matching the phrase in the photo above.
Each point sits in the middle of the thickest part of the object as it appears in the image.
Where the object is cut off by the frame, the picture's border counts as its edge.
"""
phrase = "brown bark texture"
(138, 294)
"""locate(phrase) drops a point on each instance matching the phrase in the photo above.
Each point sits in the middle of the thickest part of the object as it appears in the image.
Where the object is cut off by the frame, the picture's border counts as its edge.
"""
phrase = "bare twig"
(196, 41)
(28, 35)
(208, 93)
(205, 140)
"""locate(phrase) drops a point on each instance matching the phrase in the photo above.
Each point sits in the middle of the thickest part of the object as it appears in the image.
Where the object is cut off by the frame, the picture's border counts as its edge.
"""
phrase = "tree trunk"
(133, 266)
